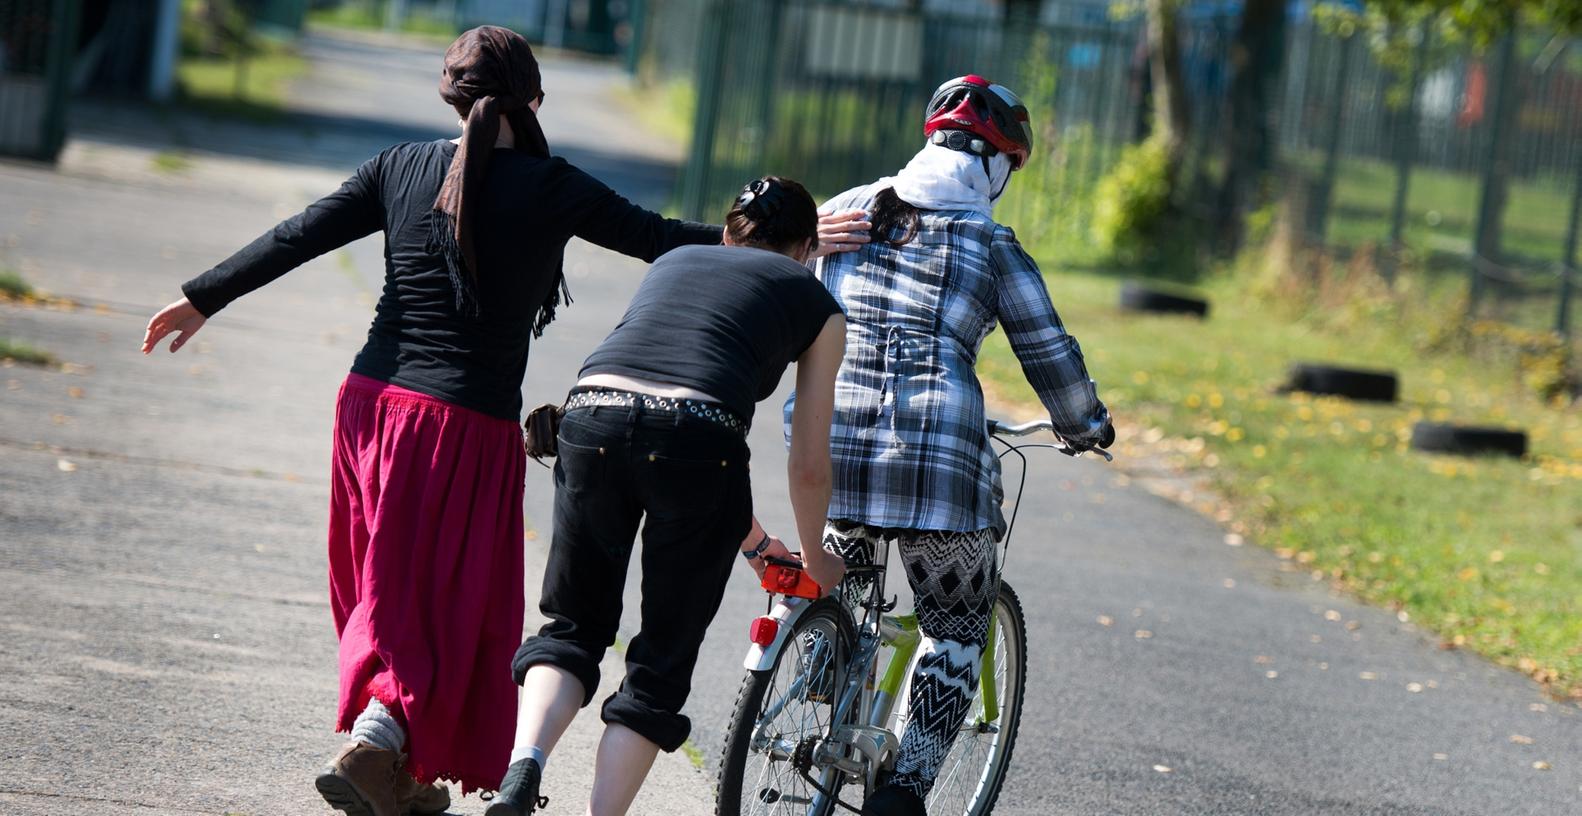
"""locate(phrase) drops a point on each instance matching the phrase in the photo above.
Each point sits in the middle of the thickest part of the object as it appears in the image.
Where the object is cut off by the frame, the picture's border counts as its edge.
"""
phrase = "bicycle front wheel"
(972, 774)
(781, 714)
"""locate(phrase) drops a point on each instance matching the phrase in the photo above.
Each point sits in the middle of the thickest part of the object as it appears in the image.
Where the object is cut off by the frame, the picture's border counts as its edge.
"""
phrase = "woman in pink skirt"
(425, 538)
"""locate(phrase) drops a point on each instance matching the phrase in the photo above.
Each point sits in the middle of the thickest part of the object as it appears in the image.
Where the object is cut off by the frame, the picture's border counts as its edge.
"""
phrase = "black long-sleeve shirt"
(528, 209)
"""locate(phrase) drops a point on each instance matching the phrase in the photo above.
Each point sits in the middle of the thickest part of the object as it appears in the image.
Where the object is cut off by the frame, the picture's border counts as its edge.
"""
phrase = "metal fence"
(37, 38)
(1391, 161)
(1411, 161)
(832, 94)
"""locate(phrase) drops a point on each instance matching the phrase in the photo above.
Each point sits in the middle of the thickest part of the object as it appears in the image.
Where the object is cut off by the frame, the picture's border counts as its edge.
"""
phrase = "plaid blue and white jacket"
(909, 441)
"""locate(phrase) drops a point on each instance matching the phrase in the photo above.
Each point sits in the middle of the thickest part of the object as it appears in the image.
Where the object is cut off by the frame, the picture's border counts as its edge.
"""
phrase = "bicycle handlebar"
(1064, 445)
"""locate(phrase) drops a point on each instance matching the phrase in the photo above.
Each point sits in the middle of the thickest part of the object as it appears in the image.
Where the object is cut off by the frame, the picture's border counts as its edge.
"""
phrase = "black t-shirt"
(723, 320)
(529, 208)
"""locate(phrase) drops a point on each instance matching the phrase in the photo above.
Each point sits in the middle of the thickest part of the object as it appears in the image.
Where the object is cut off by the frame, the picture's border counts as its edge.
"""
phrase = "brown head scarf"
(489, 72)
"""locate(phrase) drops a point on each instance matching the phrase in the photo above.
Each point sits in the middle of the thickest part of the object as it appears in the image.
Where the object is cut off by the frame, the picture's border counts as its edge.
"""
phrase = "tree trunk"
(1486, 246)
(1171, 120)
(1257, 58)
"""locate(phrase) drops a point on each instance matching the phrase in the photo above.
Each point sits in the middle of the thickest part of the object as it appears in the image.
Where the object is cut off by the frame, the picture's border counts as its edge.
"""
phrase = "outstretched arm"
(602, 216)
(1051, 359)
(333, 221)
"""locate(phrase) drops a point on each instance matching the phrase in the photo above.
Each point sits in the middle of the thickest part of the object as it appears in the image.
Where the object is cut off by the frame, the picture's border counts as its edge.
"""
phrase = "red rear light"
(763, 631)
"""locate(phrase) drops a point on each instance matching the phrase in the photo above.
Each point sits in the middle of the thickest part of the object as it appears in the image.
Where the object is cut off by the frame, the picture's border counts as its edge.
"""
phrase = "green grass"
(666, 108)
(24, 353)
(171, 161)
(12, 286)
(694, 754)
(1485, 552)
(255, 90)
(1442, 210)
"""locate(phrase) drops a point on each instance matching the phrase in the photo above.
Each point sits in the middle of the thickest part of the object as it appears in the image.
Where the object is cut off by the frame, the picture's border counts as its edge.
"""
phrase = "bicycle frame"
(876, 630)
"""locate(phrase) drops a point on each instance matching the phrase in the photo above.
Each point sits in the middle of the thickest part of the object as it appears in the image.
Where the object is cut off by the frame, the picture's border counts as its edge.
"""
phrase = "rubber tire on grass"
(1136, 297)
(1468, 440)
(750, 698)
(1369, 385)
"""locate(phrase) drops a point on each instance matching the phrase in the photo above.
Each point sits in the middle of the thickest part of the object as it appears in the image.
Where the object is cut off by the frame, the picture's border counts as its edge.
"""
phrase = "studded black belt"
(707, 411)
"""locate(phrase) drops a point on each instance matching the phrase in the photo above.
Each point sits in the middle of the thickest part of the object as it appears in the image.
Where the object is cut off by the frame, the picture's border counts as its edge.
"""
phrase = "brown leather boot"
(414, 799)
(361, 781)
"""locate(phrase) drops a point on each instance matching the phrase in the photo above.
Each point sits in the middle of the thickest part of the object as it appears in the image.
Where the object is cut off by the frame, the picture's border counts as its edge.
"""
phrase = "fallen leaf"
(1316, 638)
(74, 392)
(64, 466)
(1441, 757)
(1234, 540)
(1415, 688)
(1144, 634)
(1263, 660)
(1106, 620)
(1229, 583)
(1368, 676)
(1332, 615)
(1352, 626)
(1271, 674)
(1162, 768)
(1539, 707)
(1520, 739)
(1540, 765)
(530, 535)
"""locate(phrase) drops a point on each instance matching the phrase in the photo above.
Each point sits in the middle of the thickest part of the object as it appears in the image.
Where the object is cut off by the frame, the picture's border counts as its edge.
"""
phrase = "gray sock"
(376, 726)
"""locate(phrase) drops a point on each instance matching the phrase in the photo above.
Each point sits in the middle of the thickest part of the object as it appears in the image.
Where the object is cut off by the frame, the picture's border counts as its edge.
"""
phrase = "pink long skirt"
(425, 554)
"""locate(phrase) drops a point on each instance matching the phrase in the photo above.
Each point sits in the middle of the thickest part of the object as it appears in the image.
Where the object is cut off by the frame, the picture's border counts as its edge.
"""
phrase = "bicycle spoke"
(791, 717)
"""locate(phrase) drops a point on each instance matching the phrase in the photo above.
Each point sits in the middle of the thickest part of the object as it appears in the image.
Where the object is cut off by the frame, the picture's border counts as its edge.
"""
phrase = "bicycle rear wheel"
(972, 774)
(780, 715)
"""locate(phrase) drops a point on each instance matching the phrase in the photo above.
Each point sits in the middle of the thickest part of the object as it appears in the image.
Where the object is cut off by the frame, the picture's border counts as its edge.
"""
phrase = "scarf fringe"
(442, 242)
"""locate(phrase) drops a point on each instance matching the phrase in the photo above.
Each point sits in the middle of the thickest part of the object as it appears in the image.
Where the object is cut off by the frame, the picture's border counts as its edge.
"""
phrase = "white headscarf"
(938, 178)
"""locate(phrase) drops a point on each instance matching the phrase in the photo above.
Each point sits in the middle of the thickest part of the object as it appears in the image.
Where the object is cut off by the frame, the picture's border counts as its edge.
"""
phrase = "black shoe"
(892, 800)
(518, 794)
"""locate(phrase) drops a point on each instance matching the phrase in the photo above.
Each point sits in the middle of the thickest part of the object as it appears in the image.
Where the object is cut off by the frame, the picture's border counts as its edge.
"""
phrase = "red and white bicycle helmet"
(973, 105)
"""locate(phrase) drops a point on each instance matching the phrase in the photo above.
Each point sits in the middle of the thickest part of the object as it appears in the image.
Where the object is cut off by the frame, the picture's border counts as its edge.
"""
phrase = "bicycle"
(815, 713)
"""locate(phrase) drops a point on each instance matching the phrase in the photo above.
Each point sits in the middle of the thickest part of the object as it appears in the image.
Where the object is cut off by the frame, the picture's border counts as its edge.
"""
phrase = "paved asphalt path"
(167, 648)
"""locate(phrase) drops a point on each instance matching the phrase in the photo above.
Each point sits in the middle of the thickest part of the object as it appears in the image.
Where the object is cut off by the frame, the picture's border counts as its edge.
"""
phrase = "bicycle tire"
(973, 773)
(825, 619)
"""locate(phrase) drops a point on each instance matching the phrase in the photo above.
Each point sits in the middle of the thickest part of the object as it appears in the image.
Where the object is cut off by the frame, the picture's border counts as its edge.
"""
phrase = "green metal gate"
(37, 42)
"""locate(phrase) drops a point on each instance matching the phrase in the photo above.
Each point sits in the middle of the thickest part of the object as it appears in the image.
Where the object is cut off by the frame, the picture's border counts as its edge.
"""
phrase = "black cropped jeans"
(685, 480)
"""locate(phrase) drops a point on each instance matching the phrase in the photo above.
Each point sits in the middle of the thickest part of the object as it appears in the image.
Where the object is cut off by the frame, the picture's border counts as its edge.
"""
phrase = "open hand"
(844, 231)
(181, 317)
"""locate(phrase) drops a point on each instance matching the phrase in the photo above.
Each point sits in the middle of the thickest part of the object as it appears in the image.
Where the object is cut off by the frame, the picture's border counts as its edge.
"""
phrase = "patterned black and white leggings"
(953, 581)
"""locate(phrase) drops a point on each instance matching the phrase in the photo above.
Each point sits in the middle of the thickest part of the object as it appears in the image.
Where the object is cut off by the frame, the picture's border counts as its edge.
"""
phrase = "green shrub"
(1135, 219)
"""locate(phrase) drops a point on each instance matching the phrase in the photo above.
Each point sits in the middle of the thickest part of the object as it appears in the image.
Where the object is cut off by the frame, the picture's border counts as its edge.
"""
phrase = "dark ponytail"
(773, 213)
(890, 215)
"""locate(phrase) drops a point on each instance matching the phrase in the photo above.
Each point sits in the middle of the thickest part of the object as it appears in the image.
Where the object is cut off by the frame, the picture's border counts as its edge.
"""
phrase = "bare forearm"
(810, 490)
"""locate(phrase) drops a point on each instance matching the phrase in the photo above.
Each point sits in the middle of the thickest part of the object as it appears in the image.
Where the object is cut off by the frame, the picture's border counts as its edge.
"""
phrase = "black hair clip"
(761, 199)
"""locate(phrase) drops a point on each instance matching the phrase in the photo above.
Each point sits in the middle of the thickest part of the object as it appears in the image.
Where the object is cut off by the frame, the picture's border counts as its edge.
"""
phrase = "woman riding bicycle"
(912, 459)
(656, 427)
